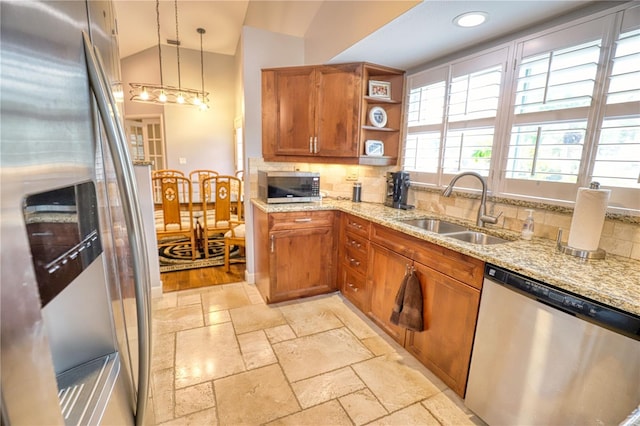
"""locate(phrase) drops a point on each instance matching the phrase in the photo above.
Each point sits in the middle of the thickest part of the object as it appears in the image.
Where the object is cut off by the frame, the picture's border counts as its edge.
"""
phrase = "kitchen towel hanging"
(407, 309)
(588, 217)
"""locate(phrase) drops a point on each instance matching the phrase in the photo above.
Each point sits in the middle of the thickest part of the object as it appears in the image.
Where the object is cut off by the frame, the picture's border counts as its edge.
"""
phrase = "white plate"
(378, 116)
(374, 148)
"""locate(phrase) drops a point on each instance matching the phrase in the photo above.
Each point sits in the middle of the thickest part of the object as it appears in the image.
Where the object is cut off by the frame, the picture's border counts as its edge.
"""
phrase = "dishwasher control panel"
(573, 304)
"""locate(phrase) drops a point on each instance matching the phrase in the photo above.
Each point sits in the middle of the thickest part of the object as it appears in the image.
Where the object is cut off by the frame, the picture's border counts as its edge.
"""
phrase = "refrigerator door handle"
(133, 218)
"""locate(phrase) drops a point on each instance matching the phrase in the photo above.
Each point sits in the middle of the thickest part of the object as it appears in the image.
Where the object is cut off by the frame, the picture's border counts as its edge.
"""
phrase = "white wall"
(140, 68)
(340, 24)
(260, 49)
(204, 139)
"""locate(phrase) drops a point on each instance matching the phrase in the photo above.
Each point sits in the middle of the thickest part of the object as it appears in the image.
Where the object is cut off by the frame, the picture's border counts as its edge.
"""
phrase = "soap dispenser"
(527, 226)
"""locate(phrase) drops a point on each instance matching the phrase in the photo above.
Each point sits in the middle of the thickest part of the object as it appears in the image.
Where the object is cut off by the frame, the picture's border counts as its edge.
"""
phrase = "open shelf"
(374, 100)
(379, 129)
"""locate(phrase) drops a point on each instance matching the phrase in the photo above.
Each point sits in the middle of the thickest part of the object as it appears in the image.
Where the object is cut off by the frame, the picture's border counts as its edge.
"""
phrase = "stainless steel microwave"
(288, 187)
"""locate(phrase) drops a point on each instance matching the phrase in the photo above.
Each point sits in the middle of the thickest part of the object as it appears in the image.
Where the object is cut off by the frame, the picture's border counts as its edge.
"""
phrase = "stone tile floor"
(223, 357)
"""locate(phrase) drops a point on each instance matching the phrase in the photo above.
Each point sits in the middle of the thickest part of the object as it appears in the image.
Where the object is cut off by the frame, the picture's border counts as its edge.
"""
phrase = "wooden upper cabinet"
(294, 112)
(311, 111)
(337, 110)
(320, 113)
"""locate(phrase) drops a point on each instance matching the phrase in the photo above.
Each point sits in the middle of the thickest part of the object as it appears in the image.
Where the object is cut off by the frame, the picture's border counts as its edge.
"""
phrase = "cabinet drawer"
(355, 260)
(300, 220)
(464, 268)
(355, 289)
(356, 225)
(356, 243)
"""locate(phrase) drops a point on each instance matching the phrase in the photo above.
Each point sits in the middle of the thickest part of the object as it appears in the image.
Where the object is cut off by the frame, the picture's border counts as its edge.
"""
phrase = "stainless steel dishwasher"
(543, 356)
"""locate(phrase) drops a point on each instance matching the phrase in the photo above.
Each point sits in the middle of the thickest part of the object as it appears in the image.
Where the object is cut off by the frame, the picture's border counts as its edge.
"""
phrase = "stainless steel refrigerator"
(75, 294)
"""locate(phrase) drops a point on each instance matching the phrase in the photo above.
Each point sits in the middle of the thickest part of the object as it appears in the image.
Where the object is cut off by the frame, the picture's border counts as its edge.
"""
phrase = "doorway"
(146, 140)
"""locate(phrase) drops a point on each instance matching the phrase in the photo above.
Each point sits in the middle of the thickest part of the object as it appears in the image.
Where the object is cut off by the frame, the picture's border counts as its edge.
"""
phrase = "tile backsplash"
(620, 234)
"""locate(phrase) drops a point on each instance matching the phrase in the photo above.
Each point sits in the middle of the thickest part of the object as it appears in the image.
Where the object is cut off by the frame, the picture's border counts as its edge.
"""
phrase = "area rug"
(177, 255)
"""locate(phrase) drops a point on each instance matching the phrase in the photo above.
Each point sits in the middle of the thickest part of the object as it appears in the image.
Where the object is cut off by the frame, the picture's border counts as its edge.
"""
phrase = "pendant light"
(162, 94)
(202, 103)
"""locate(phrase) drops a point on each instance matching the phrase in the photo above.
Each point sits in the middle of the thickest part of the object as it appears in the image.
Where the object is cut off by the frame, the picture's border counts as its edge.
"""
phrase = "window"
(565, 114)
(451, 118)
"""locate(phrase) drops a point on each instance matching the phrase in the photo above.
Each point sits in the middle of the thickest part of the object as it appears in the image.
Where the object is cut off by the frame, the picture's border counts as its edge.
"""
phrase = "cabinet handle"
(315, 145)
(355, 225)
(311, 144)
(272, 243)
(302, 220)
(353, 287)
(354, 243)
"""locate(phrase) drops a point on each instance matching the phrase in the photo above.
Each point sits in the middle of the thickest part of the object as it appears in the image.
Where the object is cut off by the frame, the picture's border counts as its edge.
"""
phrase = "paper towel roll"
(588, 218)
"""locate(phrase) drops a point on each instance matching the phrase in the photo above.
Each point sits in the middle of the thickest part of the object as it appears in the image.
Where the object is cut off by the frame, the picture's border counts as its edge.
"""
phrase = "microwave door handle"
(125, 178)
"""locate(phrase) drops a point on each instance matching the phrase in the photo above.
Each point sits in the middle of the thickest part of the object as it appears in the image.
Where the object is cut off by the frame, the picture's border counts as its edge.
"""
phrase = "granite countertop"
(614, 281)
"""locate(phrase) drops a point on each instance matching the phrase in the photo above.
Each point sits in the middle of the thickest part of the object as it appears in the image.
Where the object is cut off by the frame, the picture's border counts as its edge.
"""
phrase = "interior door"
(146, 141)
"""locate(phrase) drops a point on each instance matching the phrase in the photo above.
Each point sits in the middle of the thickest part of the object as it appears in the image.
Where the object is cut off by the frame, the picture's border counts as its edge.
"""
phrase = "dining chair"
(235, 237)
(221, 207)
(196, 177)
(167, 172)
(174, 215)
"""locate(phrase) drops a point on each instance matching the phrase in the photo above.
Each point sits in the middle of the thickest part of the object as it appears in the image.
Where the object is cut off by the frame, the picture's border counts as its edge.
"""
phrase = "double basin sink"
(454, 230)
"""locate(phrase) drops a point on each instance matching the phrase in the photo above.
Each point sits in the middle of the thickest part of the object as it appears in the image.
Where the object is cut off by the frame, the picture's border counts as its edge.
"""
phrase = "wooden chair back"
(197, 176)
(167, 172)
(225, 200)
(174, 194)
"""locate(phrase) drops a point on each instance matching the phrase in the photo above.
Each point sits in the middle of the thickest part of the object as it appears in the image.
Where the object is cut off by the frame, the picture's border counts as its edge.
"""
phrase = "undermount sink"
(477, 238)
(435, 225)
(454, 230)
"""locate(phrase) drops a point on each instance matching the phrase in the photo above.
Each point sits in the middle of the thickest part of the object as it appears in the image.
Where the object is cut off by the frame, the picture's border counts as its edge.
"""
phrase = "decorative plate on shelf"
(378, 116)
(374, 148)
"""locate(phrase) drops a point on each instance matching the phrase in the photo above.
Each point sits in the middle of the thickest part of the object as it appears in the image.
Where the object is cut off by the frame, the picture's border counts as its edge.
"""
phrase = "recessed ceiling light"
(470, 19)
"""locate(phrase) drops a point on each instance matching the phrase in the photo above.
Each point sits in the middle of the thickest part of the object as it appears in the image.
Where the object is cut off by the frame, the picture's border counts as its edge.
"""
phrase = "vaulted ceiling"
(393, 32)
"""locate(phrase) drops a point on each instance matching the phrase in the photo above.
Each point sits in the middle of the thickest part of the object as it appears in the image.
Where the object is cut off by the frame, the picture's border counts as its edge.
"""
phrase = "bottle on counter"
(527, 226)
(357, 192)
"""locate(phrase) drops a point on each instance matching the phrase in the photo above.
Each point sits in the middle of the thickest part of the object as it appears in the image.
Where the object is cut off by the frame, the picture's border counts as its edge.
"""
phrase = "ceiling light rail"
(163, 94)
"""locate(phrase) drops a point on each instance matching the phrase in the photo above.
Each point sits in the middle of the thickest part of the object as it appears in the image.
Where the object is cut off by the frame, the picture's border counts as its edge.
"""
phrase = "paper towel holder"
(582, 254)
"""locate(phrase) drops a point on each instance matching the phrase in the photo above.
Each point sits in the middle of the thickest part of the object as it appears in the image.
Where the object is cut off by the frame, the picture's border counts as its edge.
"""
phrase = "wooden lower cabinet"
(450, 313)
(295, 254)
(353, 252)
(301, 263)
(450, 305)
(386, 271)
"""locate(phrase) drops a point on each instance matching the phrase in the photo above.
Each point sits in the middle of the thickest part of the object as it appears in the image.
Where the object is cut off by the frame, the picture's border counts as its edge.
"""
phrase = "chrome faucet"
(483, 217)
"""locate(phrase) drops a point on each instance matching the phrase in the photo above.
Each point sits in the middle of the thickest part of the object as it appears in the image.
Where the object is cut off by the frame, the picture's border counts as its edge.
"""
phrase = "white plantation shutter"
(617, 156)
(557, 80)
(468, 149)
(570, 113)
(451, 118)
(425, 124)
(554, 92)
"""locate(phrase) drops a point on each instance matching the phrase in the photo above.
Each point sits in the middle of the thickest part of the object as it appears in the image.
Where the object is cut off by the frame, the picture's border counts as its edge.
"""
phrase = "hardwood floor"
(202, 277)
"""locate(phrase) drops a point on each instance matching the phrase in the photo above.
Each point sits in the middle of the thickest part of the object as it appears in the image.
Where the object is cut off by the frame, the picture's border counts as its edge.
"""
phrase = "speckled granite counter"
(614, 280)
